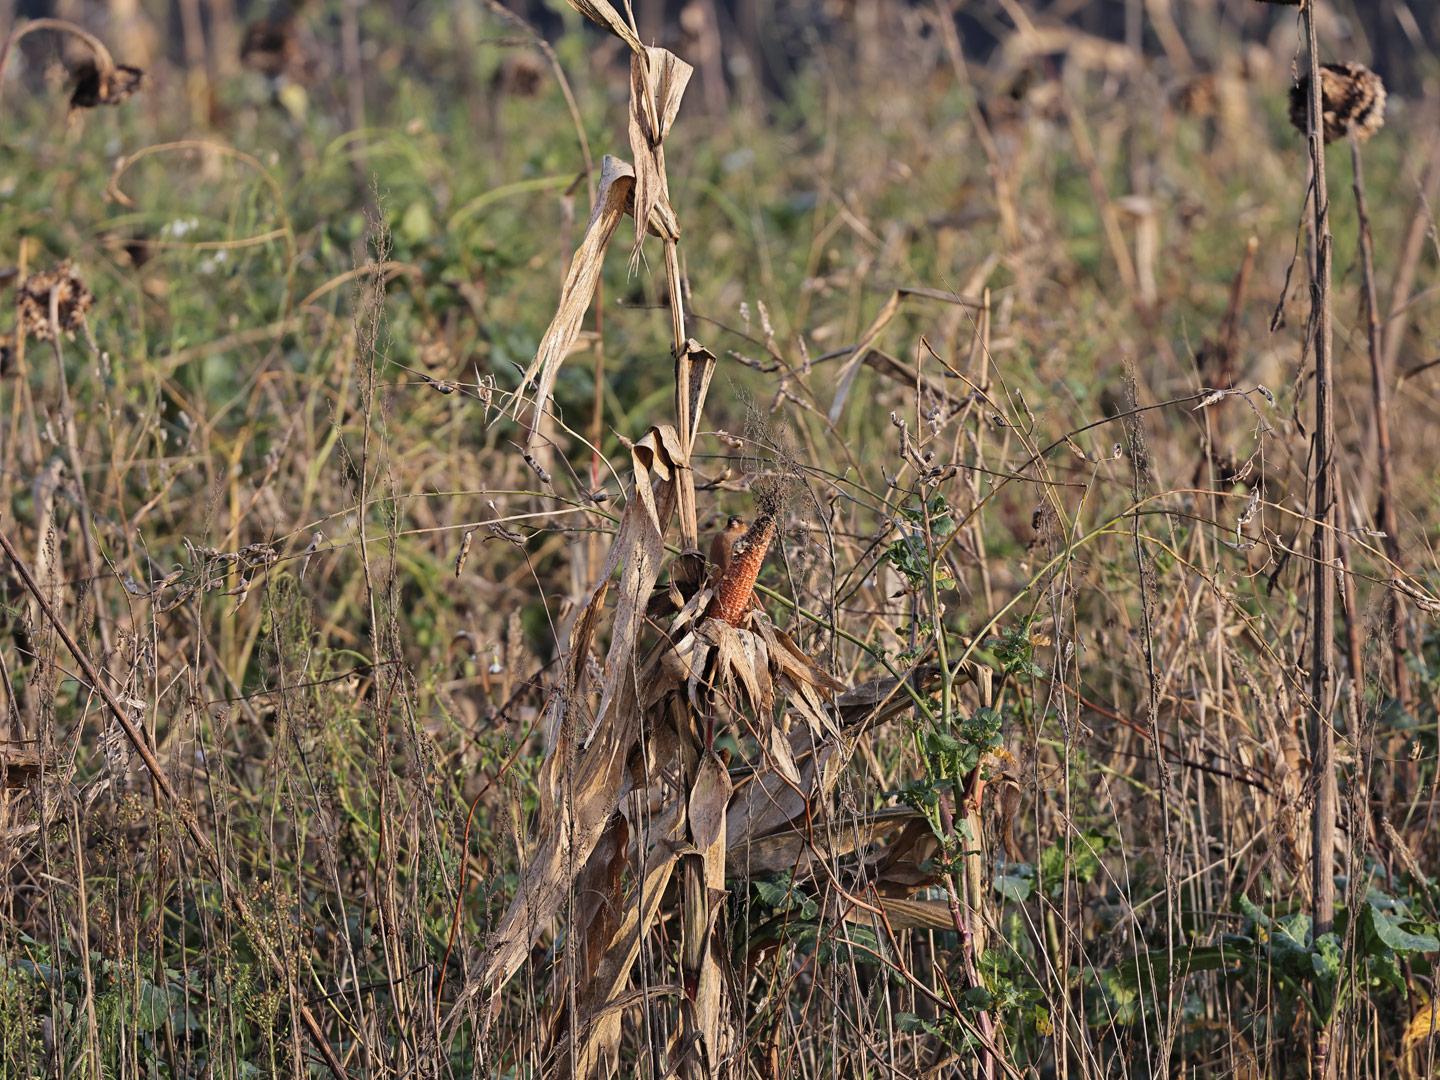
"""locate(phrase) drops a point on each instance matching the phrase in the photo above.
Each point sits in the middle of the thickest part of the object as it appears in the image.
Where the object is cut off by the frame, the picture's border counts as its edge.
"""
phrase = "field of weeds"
(857, 539)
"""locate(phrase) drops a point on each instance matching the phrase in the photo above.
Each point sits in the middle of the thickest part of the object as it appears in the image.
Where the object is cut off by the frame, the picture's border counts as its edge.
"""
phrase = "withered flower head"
(95, 87)
(521, 75)
(1197, 96)
(1353, 102)
(269, 46)
(32, 302)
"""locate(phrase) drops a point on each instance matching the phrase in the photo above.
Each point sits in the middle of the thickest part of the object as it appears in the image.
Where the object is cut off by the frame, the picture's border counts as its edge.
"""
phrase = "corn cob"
(737, 583)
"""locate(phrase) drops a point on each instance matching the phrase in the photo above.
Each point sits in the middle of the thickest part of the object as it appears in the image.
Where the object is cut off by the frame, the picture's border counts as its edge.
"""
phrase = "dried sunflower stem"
(1322, 591)
(1380, 393)
(93, 561)
(1407, 265)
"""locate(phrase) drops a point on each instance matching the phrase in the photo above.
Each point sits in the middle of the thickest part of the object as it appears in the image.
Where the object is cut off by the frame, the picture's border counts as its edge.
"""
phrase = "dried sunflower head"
(1197, 96)
(1353, 102)
(521, 75)
(95, 87)
(32, 302)
(270, 47)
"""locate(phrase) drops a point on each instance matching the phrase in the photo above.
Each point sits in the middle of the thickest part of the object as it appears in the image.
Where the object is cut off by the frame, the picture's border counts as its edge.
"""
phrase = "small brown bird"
(722, 544)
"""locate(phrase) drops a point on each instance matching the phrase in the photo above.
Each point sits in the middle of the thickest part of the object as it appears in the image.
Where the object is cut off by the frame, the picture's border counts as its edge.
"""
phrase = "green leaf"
(774, 894)
(154, 1007)
(1085, 852)
(1325, 958)
(982, 729)
(1388, 929)
(916, 1025)
(1291, 934)
(417, 226)
(1015, 881)
(1253, 913)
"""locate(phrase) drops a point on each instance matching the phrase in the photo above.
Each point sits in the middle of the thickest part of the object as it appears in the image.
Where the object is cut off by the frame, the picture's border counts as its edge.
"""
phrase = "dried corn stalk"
(631, 778)
(573, 817)
(657, 82)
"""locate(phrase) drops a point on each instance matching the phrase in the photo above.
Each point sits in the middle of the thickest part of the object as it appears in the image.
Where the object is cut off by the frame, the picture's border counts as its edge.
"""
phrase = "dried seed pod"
(465, 542)
(32, 302)
(1353, 102)
(94, 86)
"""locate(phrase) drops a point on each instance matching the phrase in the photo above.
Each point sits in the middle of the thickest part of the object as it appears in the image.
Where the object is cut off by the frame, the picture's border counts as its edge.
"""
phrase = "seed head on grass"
(1353, 102)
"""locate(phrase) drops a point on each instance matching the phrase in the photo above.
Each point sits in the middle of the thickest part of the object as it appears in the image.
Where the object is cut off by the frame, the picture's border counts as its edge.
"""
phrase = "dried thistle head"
(1353, 102)
(108, 86)
(521, 75)
(32, 302)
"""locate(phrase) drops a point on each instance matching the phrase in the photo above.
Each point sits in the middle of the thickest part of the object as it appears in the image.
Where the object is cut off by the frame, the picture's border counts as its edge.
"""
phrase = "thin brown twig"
(1385, 514)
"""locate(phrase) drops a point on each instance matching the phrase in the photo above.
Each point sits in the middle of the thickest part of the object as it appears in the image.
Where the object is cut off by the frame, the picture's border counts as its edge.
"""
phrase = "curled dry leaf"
(902, 914)
(797, 850)
(702, 961)
(603, 13)
(657, 83)
(709, 796)
(617, 182)
(584, 772)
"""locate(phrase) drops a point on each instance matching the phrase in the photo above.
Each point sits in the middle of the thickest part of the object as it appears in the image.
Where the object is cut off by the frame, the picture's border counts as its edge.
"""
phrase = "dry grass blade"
(871, 337)
(236, 896)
